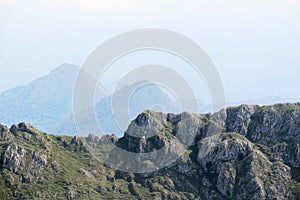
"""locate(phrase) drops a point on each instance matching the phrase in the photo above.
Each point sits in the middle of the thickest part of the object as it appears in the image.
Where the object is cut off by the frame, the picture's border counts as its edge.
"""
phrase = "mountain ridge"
(244, 152)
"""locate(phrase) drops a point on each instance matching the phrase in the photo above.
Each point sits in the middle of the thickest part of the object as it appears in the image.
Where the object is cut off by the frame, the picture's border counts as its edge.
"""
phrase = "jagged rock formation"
(245, 152)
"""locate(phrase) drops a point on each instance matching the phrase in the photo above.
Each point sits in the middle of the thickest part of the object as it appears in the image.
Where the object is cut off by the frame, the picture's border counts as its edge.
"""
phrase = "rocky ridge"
(244, 152)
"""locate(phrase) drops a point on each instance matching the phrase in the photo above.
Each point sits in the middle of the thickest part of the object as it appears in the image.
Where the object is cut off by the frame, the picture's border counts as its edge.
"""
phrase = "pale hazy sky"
(254, 44)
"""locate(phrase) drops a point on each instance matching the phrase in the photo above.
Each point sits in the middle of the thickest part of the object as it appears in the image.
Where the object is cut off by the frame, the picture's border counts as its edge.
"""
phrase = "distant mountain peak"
(65, 67)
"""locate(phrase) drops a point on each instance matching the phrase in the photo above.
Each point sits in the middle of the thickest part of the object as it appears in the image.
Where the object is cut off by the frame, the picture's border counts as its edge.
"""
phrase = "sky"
(255, 45)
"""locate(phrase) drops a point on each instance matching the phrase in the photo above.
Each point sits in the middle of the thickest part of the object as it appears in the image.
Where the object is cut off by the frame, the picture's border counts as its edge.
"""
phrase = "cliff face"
(245, 152)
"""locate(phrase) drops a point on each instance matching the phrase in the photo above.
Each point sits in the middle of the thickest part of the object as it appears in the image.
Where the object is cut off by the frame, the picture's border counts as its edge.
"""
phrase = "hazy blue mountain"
(43, 102)
(149, 96)
(115, 121)
(47, 102)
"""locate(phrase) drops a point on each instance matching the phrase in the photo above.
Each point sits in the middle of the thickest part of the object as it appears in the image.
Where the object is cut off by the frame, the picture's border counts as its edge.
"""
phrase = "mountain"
(47, 102)
(43, 102)
(244, 152)
(115, 121)
(143, 99)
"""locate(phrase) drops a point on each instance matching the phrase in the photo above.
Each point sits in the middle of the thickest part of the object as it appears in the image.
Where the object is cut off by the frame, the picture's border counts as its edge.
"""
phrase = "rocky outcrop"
(291, 152)
(40, 159)
(3, 128)
(12, 158)
(239, 170)
(24, 127)
(238, 118)
(5, 133)
(275, 124)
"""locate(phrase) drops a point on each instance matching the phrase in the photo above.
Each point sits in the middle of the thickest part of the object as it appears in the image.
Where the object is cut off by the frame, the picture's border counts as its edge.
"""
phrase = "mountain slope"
(44, 102)
(245, 152)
